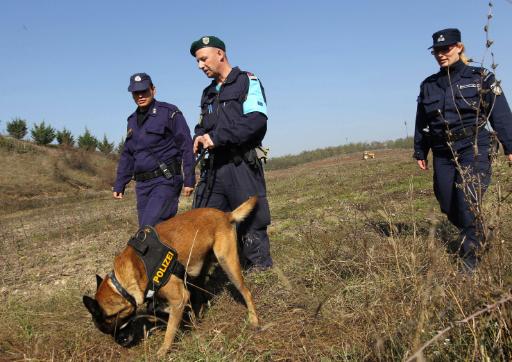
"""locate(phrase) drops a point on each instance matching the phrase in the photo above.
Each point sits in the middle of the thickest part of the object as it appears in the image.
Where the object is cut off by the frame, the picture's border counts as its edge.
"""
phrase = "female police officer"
(158, 143)
(454, 106)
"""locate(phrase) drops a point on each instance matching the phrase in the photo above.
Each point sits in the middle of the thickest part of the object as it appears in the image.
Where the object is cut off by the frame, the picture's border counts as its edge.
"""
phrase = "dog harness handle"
(160, 260)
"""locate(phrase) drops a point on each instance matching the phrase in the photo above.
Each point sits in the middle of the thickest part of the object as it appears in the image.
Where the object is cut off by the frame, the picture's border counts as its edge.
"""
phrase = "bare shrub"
(18, 146)
(80, 160)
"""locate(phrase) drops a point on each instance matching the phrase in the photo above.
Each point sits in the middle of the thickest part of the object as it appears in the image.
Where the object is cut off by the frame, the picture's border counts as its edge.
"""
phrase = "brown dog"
(193, 234)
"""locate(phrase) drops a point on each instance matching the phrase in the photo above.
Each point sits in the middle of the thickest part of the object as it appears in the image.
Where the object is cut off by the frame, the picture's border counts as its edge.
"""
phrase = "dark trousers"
(230, 185)
(157, 199)
(459, 199)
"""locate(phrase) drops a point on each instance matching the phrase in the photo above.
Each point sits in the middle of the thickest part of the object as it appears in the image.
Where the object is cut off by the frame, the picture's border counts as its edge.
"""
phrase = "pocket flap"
(468, 92)
(156, 129)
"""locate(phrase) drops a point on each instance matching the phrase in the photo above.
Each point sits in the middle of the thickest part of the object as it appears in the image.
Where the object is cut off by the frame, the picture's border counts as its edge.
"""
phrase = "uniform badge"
(206, 40)
(469, 86)
(137, 78)
(496, 89)
(129, 132)
(441, 38)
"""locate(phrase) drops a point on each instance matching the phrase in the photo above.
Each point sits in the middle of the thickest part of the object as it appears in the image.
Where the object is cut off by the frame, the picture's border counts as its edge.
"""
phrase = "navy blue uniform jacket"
(162, 137)
(471, 101)
(223, 118)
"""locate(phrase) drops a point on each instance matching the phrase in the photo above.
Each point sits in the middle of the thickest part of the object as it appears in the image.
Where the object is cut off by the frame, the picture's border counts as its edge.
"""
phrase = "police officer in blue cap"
(232, 126)
(455, 107)
(158, 146)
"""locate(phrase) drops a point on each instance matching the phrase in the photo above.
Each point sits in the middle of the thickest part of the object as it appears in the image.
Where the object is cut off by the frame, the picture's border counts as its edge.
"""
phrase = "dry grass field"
(363, 268)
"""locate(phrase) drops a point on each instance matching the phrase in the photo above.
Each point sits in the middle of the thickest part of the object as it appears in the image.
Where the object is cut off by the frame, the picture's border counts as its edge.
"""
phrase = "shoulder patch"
(486, 74)
(251, 76)
(255, 100)
(174, 113)
(496, 88)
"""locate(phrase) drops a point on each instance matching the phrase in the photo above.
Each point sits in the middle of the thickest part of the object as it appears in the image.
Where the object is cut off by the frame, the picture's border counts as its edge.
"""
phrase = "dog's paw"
(255, 328)
(162, 352)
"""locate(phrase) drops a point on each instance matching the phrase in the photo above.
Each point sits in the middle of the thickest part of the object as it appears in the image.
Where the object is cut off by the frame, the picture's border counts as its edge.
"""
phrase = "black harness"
(160, 261)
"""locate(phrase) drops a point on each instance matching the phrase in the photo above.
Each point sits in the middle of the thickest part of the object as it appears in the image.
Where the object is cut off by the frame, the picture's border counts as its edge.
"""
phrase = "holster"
(251, 158)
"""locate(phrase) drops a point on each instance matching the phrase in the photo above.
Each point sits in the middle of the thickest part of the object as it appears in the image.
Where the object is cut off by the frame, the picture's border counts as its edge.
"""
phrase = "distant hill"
(34, 176)
(277, 163)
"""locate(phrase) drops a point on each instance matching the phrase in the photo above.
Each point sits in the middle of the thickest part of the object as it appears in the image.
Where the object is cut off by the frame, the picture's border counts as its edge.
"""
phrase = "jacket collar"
(467, 72)
(232, 76)
(457, 70)
(152, 109)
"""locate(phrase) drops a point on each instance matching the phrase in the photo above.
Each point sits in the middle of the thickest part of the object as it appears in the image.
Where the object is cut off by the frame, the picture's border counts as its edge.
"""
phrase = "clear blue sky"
(334, 71)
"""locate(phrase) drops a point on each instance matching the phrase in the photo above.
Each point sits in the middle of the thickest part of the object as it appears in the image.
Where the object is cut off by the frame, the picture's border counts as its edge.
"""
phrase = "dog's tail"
(242, 211)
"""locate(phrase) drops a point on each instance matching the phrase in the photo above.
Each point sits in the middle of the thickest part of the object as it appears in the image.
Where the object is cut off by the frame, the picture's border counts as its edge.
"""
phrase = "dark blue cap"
(445, 37)
(139, 82)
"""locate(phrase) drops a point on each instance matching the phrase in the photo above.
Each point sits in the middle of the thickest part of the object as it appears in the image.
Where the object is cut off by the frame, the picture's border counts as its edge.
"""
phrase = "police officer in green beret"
(232, 126)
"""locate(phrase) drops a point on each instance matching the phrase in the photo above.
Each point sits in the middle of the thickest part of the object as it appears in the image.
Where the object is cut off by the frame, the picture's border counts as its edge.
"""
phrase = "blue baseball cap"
(139, 82)
(445, 37)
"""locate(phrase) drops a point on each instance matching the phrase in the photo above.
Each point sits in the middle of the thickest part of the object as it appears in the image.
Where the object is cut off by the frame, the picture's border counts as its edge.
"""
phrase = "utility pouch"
(165, 170)
(262, 153)
(251, 159)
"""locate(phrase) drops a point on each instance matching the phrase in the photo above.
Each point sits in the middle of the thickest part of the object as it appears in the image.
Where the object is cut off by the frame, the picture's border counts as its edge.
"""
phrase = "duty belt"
(173, 166)
(224, 156)
(459, 134)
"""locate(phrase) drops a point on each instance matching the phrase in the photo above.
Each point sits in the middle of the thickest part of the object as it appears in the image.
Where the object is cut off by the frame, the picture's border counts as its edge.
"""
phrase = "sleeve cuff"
(213, 136)
(190, 181)
(419, 155)
(119, 189)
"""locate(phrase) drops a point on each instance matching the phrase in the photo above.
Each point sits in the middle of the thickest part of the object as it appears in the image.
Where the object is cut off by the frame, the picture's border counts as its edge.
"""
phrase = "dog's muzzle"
(137, 328)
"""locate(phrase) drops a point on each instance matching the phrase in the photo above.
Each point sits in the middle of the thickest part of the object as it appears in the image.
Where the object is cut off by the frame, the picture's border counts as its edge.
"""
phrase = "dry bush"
(80, 160)
(10, 144)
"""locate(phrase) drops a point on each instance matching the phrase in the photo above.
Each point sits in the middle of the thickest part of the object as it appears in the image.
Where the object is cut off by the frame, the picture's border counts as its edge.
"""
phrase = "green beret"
(207, 41)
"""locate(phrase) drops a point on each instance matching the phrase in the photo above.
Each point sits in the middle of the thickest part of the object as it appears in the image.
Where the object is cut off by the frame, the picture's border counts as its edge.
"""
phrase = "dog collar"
(121, 290)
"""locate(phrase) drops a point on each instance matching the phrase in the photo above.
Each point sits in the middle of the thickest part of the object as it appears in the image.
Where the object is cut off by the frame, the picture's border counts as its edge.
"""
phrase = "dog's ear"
(93, 307)
(98, 281)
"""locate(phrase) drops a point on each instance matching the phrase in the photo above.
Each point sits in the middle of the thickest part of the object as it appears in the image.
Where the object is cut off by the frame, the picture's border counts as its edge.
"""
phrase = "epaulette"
(169, 106)
(173, 110)
(482, 72)
(486, 74)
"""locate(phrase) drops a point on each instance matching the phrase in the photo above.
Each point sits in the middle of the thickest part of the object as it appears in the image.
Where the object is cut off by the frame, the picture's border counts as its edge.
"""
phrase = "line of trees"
(44, 134)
